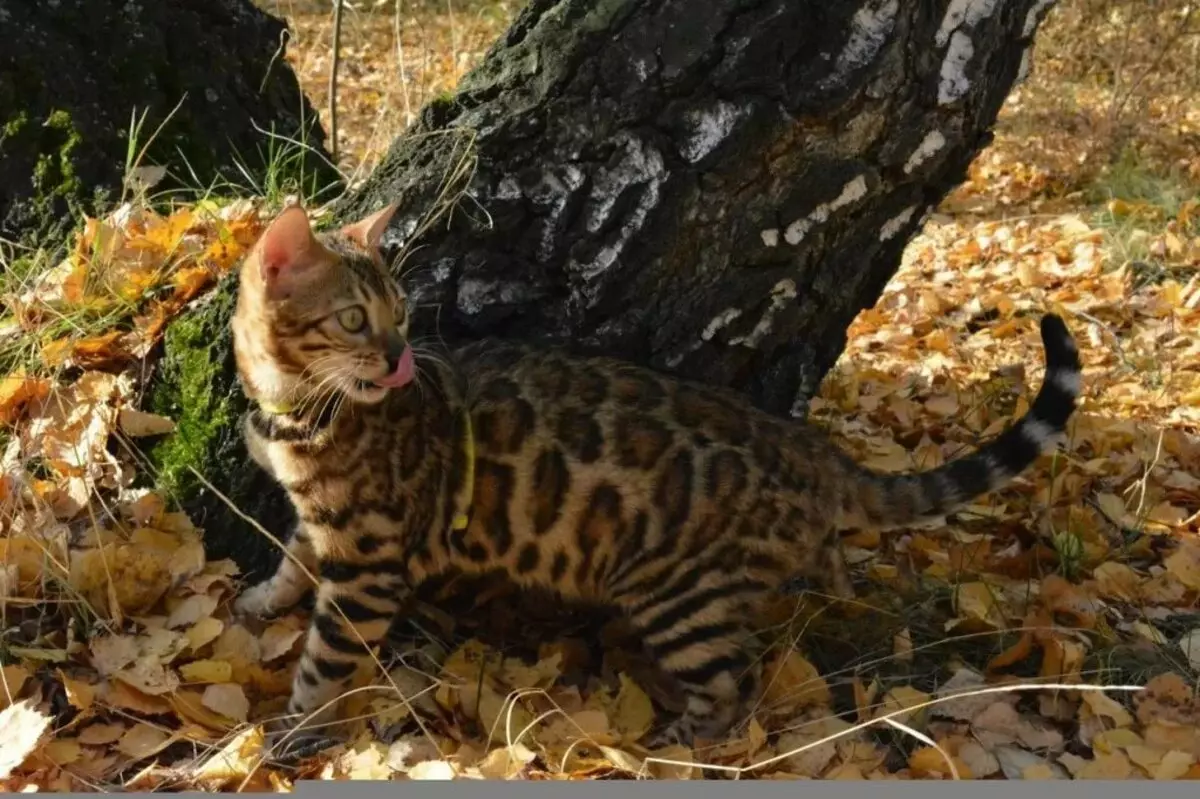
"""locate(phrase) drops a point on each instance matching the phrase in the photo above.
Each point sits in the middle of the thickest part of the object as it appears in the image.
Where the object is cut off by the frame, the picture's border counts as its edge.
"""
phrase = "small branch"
(333, 76)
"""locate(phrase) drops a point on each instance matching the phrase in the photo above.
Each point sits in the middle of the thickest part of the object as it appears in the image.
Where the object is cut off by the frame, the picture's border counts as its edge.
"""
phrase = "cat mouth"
(402, 374)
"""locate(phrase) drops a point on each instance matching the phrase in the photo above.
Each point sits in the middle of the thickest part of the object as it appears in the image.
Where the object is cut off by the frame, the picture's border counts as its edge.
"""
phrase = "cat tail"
(886, 500)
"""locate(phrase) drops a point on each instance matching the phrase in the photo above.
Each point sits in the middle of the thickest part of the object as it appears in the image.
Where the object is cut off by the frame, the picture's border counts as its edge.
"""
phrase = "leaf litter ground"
(124, 667)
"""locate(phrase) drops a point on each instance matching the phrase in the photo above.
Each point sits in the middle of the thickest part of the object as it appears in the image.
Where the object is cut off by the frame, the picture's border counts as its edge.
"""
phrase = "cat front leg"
(282, 590)
(355, 605)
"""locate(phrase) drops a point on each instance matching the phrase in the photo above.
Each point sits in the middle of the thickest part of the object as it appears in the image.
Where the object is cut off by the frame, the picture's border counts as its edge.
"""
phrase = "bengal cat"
(680, 505)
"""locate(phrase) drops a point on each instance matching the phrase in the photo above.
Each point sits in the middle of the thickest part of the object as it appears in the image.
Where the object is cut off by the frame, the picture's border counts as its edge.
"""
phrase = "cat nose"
(394, 350)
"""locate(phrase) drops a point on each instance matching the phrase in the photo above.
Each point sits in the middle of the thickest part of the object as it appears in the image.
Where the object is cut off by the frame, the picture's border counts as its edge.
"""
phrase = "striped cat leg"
(334, 649)
(698, 636)
(286, 586)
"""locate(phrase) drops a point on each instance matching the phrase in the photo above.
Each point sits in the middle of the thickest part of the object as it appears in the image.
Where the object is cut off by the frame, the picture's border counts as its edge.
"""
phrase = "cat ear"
(286, 248)
(367, 232)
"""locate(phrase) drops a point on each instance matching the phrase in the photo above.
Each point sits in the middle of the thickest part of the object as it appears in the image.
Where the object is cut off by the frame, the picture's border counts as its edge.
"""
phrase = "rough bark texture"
(73, 71)
(713, 189)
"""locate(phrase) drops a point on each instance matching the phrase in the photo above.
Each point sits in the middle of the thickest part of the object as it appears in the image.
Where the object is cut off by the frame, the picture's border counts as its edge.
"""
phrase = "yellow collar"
(468, 490)
(276, 408)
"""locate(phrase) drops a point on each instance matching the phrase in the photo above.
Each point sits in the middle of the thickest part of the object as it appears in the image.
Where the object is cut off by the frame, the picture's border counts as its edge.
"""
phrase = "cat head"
(319, 314)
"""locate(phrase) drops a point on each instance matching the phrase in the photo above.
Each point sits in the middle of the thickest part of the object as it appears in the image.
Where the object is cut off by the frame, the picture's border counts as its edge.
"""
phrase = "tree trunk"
(712, 189)
(74, 72)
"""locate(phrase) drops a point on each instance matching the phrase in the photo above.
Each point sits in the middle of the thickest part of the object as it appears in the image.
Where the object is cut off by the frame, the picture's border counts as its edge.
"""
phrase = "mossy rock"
(195, 383)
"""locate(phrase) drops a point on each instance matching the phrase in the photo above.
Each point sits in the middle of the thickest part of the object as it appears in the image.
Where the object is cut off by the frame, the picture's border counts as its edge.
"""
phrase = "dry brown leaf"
(792, 683)
(80, 694)
(101, 734)
(142, 741)
(901, 698)
(12, 679)
(634, 713)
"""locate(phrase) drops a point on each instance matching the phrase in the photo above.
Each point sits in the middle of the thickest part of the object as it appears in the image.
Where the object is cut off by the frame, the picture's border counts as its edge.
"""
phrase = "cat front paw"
(257, 602)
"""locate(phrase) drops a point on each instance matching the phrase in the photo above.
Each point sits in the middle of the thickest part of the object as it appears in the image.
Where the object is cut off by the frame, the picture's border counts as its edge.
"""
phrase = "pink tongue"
(403, 373)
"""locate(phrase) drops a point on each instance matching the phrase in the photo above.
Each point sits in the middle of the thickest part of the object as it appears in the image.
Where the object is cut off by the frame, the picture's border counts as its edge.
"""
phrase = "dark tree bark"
(72, 72)
(714, 189)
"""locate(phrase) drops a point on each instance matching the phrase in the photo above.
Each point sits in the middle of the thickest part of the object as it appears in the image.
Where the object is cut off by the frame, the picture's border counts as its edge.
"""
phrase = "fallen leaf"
(634, 712)
(142, 741)
(191, 610)
(234, 762)
(22, 725)
(432, 770)
(139, 423)
(62, 752)
(792, 683)
(101, 734)
(278, 639)
(227, 699)
(80, 694)
(204, 632)
(206, 671)
(12, 679)
(901, 698)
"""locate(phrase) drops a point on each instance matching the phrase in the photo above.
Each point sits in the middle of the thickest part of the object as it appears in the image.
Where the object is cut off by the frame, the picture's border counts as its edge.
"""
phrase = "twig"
(333, 76)
(400, 63)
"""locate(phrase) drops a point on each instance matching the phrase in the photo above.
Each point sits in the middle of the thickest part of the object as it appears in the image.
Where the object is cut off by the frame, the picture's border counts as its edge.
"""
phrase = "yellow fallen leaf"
(791, 683)
(505, 762)
(210, 671)
(228, 699)
(626, 762)
(204, 632)
(234, 761)
(1106, 707)
(16, 391)
(79, 693)
(101, 734)
(12, 679)
(237, 643)
(1174, 765)
(927, 761)
(977, 601)
(1112, 766)
(1184, 564)
(63, 752)
(191, 610)
(678, 765)
(139, 423)
(278, 639)
(189, 705)
(143, 740)
(634, 713)
(22, 725)
(901, 698)
(135, 576)
(1117, 581)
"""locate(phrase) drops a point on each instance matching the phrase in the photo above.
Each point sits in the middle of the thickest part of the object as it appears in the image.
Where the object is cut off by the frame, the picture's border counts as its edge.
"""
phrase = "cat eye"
(353, 319)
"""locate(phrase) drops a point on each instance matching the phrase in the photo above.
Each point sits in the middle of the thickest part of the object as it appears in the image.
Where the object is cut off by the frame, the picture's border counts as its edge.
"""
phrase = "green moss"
(54, 175)
(191, 392)
(14, 126)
